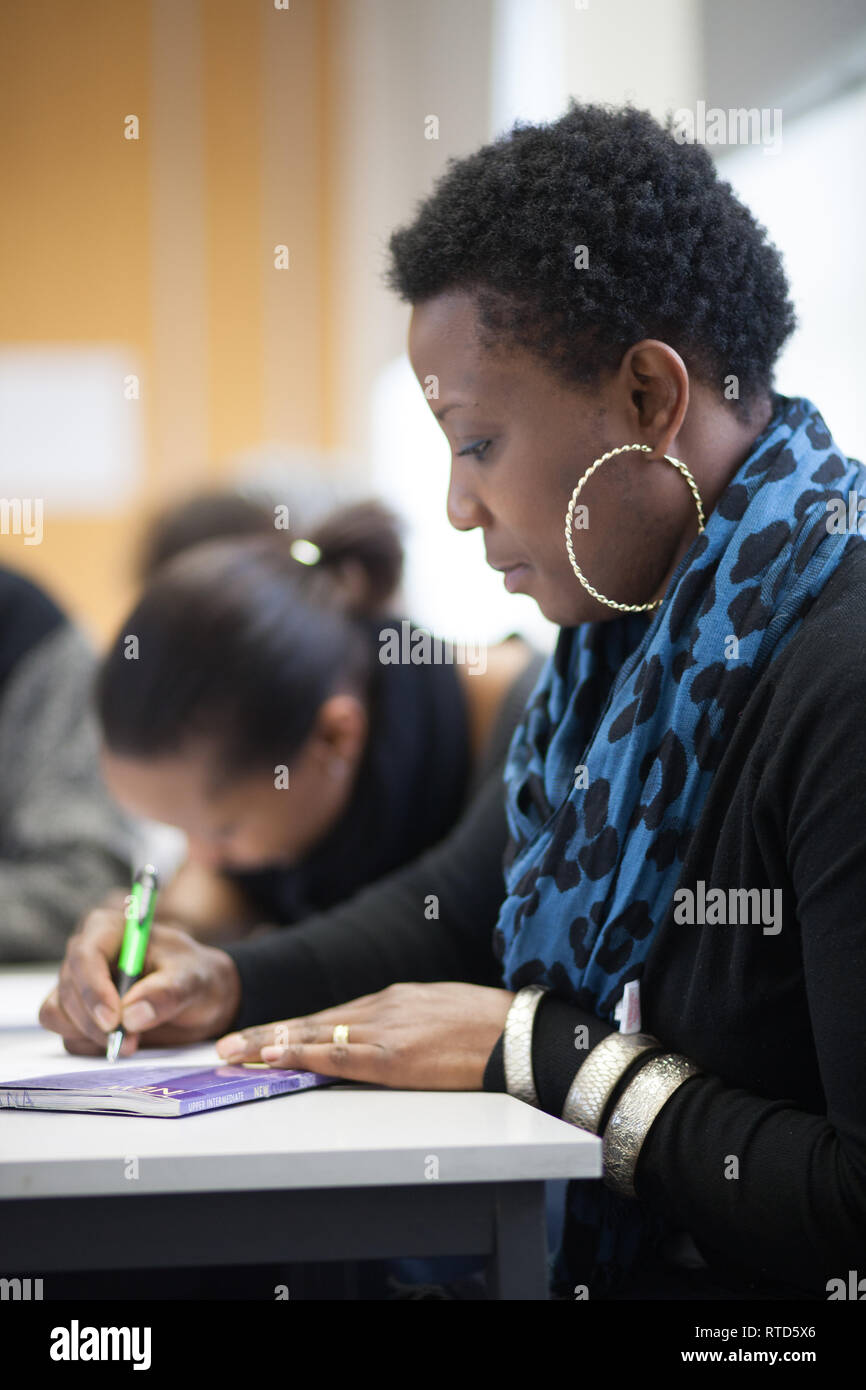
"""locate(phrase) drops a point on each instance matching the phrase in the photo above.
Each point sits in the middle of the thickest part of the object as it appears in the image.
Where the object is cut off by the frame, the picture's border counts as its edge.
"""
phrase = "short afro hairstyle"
(672, 253)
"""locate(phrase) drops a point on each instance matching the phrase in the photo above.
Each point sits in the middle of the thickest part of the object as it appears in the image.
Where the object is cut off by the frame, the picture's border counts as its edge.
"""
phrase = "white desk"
(347, 1172)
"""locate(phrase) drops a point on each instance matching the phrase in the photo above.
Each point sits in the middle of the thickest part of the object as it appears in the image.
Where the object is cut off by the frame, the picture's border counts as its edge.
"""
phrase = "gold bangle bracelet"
(517, 1044)
(598, 1075)
(634, 1114)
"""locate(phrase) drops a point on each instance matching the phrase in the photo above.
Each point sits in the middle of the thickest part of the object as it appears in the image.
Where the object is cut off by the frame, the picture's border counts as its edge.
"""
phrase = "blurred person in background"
(248, 651)
(210, 515)
(62, 844)
(264, 718)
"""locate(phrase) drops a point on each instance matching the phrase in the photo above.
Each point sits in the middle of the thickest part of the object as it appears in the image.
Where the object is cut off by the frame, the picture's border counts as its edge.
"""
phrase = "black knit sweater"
(777, 1020)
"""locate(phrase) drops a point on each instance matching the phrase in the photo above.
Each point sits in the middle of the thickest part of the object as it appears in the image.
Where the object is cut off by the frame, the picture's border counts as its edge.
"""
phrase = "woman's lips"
(514, 577)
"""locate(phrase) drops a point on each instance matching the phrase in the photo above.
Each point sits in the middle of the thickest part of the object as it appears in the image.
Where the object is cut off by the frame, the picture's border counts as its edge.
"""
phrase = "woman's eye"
(477, 450)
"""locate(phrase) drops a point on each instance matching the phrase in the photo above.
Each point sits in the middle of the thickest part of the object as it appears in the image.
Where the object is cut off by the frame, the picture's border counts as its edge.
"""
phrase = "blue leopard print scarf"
(646, 705)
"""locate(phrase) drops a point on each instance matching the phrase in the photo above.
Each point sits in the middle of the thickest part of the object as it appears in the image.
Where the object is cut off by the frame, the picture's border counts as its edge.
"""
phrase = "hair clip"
(305, 552)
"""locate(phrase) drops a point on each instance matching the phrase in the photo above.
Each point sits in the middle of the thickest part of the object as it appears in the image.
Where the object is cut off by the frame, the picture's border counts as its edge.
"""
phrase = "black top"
(27, 615)
(778, 1022)
(410, 789)
(382, 934)
(776, 1019)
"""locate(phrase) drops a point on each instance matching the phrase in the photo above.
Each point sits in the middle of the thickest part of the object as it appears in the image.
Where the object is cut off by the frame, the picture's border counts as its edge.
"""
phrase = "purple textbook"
(167, 1091)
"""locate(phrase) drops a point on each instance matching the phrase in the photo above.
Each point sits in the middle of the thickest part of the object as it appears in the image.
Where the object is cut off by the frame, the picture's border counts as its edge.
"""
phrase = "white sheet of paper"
(28, 1050)
(34, 1052)
(22, 990)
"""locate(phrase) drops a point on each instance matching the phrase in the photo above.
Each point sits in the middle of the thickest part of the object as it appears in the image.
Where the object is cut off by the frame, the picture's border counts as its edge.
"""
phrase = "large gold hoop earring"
(569, 522)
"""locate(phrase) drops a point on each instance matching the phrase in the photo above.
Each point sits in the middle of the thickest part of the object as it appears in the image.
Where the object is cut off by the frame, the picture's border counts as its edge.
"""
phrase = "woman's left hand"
(434, 1037)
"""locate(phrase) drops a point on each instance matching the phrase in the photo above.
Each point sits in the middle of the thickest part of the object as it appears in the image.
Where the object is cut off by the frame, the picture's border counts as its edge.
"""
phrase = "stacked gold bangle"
(598, 1079)
(599, 1075)
(634, 1114)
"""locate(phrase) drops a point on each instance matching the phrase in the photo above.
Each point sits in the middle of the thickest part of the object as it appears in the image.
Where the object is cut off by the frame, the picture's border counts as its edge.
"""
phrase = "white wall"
(811, 196)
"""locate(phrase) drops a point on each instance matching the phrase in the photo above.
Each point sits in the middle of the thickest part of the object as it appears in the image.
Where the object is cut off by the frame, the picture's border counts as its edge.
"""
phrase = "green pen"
(140, 908)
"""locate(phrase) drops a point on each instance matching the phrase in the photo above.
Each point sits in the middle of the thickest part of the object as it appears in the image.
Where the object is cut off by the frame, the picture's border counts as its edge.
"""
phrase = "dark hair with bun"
(239, 642)
(203, 516)
(361, 560)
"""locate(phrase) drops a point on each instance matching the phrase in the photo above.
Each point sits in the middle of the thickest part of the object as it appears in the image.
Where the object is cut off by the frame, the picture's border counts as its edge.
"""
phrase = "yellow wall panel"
(74, 235)
(164, 245)
(232, 49)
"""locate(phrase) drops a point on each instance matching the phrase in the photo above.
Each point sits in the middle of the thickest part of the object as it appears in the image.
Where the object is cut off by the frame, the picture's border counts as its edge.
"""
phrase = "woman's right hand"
(189, 991)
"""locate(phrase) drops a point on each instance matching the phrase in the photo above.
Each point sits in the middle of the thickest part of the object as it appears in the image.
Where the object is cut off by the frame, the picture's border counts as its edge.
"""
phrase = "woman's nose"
(464, 510)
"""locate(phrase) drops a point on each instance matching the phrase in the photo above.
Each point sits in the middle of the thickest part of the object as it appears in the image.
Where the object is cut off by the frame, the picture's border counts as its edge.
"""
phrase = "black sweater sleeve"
(431, 920)
(792, 1209)
(797, 1210)
(562, 1037)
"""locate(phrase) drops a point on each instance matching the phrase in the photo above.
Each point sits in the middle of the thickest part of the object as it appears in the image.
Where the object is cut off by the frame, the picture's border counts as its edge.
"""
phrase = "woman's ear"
(340, 732)
(659, 377)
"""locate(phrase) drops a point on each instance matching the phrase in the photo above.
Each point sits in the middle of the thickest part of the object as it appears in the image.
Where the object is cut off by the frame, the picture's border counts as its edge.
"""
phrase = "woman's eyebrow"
(455, 405)
(440, 414)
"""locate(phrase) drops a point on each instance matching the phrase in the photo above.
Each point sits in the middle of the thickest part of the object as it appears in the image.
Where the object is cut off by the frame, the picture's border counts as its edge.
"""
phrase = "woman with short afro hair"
(682, 944)
(678, 959)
